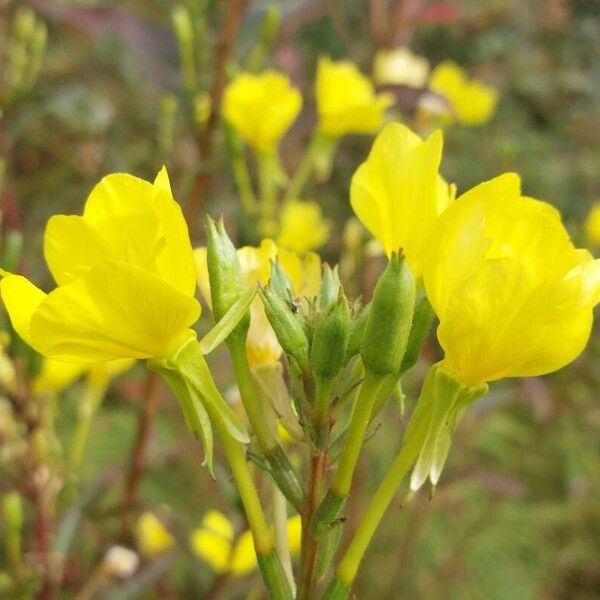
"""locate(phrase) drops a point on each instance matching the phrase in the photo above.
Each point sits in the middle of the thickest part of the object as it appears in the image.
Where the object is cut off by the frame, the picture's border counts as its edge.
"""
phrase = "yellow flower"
(303, 227)
(513, 295)
(346, 100)
(472, 102)
(55, 376)
(592, 225)
(212, 541)
(398, 193)
(400, 67)
(304, 272)
(261, 108)
(152, 538)
(125, 276)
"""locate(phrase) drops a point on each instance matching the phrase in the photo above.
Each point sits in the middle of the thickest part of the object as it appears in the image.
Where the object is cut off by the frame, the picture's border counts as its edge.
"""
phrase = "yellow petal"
(21, 299)
(115, 311)
(152, 538)
(303, 227)
(397, 192)
(243, 557)
(55, 376)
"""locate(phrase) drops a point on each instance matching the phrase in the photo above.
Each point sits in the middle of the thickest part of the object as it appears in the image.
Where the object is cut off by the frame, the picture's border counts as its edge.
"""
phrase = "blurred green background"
(516, 515)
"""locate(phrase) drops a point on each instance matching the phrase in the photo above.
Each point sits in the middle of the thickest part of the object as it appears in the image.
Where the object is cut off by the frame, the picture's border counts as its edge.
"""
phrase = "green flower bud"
(357, 332)
(330, 287)
(227, 284)
(287, 327)
(330, 339)
(422, 320)
(280, 283)
(390, 318)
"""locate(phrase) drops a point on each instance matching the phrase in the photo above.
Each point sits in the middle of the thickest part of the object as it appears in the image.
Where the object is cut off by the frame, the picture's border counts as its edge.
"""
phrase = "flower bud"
(357, 332)
(330, 339)
(287, 327)
(280, 283)
(390, 318)
(330, 287)
(225, 273)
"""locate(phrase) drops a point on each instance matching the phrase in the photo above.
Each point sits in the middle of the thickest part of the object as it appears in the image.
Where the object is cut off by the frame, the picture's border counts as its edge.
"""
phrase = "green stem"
(242, 179)
(348, 567)
(282, 470)
(303, 171)
(281, 537)
(92, 398)
(342, 480)
(267, 173)
(323, 391)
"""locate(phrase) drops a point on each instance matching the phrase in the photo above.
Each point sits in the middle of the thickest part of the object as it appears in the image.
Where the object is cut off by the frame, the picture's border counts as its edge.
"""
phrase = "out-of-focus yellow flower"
(8, 375)
(398, 192)
(152, 538)
(346, 99)
(125, 275)
(472, 102)
(294, 534)
(513, 295)
(304, 273)
(55, 376)
(212, 541)
(400, 67)
(303, 227)
(592, 225)
(261, 108)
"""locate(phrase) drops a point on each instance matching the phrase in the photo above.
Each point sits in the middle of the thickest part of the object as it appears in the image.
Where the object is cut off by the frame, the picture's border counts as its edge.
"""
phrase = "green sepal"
(231, 319)
(188, 375)
(443, 401)
(194, 413)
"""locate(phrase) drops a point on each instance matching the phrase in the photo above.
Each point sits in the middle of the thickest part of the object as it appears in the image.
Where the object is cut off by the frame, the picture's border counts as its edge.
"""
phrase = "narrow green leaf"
(220, 332)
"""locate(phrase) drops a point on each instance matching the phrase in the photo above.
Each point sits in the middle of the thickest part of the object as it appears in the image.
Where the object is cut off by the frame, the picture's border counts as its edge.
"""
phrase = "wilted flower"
(400, 67)
(472, 102)
(120, 562)
(346, 99)
(125, 275)
(261, 108)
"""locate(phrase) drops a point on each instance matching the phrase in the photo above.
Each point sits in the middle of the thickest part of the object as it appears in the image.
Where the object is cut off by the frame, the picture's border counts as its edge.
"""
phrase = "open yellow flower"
(346, 99)
(213, 542)
(304, 273)
(261, 108)
(125, 276)
(513, 295)
(398, 192)
(303, 227)
(400, 67)
(472, 102)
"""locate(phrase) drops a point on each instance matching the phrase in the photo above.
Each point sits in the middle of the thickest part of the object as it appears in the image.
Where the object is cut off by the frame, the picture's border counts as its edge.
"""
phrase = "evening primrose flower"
(152, 537)
(303, 227)
(346, 100)
(124, 273)
(304, 273)
(261, 108)
(513, 295)
(400, 67)
(398, 192)
(472, 102)
(592, 225)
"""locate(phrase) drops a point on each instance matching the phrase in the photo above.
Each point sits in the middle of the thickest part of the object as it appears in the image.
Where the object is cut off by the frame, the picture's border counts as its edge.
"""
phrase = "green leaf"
(220, 332)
